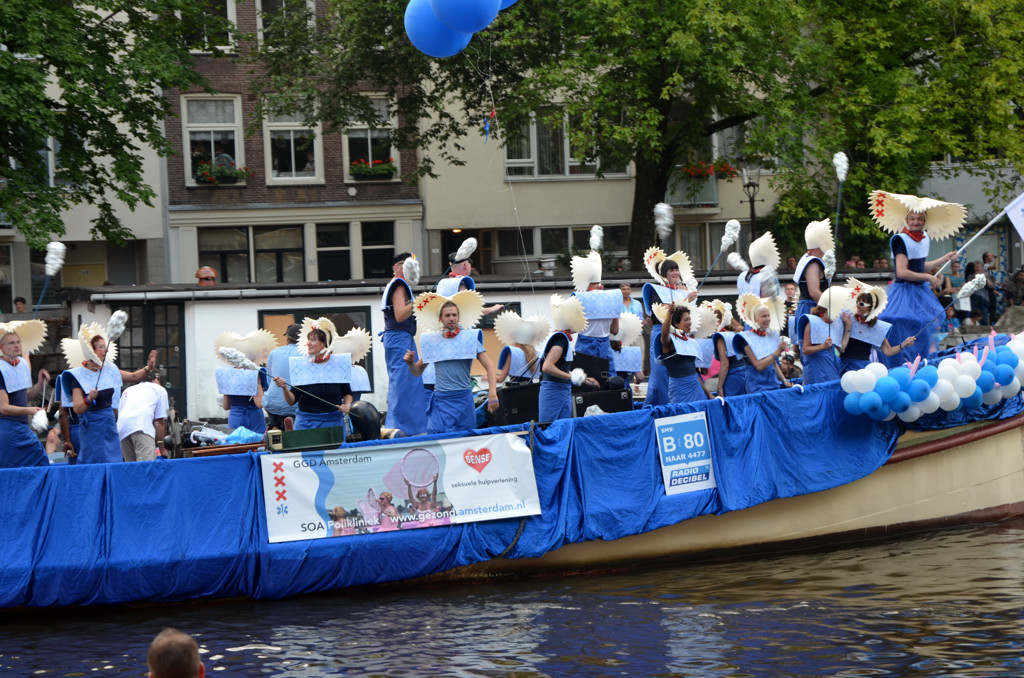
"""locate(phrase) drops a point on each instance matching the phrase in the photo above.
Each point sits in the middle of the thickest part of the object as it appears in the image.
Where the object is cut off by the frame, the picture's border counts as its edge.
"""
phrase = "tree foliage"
(83, 83)
(892, 83)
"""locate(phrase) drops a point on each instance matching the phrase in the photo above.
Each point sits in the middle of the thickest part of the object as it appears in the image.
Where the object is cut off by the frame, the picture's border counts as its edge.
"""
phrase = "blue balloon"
(851, 403)
(429, 35)
(929, 373)
(902, 376)
(505, 4)
(465, 16)
(987, 381)
(972, 401)
(990, 366)
(918, 390)
(870, 401)
(1004, 375)
(1006, 356)
(900, 403)
(879, 413)
(887, 388)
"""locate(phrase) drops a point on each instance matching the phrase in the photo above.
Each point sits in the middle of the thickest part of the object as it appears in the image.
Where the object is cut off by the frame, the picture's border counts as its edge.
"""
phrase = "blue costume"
(407, 399)
(823, 365)
(863, 338)
(67, 402)
(240, 386)
(684, 384)
(519, 370)
(273, 395)
(807, 302)
(911, 303)
(762, 346)
(313, 383)
(736, 377)
(601, 308)
(451, 407)
(627, 362)
(449, 286)
(657, 383)
(19, 446)
(99, 442)
(554, 400)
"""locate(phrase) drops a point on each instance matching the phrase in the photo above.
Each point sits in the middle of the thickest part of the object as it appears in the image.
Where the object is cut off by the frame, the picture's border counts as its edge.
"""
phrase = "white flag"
(1015, 210)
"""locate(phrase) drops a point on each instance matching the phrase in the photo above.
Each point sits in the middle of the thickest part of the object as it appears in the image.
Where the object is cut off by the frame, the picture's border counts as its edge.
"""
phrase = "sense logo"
(477, 459)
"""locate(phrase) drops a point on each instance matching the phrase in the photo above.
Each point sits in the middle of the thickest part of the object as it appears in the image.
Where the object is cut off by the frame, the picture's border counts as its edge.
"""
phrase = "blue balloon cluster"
(962, 382)
(443, 28)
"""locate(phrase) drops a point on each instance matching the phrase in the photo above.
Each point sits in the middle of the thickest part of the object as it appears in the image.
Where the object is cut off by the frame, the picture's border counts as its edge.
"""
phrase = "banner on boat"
(338, 493)
(684, 448)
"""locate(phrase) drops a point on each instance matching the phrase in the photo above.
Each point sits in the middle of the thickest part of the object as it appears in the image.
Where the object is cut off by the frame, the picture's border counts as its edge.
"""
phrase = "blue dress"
(806, 303)
(766, 379)
(20, 446)
(684, 383)
(736, 379)
(824, 365)
(407, 399)
(911, 304)
(554, 400)
(98, 440)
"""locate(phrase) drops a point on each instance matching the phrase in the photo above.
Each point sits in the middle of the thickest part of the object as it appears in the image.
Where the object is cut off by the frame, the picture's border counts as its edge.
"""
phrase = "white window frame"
(310, 4)
(232, 17)
(269, 127)
(568, 162)
(51, 164)
(392, 124)
(187, 127)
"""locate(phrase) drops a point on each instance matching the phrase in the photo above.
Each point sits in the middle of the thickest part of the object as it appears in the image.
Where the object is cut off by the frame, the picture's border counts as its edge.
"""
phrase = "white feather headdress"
(567, 314)
(356, 342)
(427, 307)
(890, 210)
(512, 329)
(818, 235)
(630, 329)
(324, 325)
(255, 346)
(764, 252)
(748, 304)
(77, 351)
(31, 332)
(855, 288)
(586, 271)
(653, 258)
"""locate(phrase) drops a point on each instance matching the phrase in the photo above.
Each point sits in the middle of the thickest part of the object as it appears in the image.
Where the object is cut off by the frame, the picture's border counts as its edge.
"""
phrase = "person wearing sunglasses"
(864, 331)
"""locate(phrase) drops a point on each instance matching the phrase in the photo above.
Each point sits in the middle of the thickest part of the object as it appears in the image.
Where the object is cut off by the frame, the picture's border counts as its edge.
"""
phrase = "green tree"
(81, 94)
(891, 83)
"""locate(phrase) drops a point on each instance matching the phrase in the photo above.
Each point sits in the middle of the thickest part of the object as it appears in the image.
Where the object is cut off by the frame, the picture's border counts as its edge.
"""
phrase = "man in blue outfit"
(407, 399)
(276, 406)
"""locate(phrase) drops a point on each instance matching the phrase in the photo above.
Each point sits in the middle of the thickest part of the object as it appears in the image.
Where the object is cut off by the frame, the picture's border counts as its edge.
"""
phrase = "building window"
(378, 248)
(513, 242)
(213, 32)
(265, 254)
(616, 239)
(213, 128)
(333, 252)
(272, 13)
(278, 254)
(542, 149)
(295, 153)
(53, 163)
(554, 240)
(366, 144)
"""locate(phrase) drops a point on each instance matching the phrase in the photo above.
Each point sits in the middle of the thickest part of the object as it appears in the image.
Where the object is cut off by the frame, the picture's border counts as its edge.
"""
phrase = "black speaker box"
(593, 365)
(516, 404)
(609, 401)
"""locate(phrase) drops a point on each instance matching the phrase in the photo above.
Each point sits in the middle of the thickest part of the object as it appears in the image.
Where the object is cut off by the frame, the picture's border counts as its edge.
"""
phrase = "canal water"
(946, 603)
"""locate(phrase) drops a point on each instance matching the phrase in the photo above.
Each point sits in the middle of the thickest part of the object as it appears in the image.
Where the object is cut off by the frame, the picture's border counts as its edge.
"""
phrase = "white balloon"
(1011, 389)
(967, 356)
(864, 381)
(931, 403)
(950, 403)
(892, 415)
(971, 368)
(948, 372)
(1017, 346)
(912, 413)
(964, 386)
(1018, 371)
(878, 370)
(992, 397)
(952, 362)
(848, 382)
(943, 388)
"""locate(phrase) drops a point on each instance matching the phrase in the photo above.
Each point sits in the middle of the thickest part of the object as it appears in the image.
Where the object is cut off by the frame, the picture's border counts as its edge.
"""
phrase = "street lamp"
(751, 174)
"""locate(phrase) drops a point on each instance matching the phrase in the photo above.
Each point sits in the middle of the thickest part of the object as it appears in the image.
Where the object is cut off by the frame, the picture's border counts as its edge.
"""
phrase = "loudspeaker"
(595, 366)
(517, 404)
(609, 401)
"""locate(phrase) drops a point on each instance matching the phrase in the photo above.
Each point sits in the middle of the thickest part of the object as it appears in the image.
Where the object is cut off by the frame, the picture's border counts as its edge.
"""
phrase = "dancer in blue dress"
(95, 382)
(914, 223)
(519, 361)
(19, 445)
(679, 353)
(242, 389)
(759, 277)
(601, 307)
(761, 344)
(407, 399)
(732, 370)
(674, 283)
(821, 333)
(864, 331)
(555, 398)
(450, 344)
(809, 274)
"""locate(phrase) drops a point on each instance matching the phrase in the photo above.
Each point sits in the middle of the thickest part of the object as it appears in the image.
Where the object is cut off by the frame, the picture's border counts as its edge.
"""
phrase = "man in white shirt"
(140, 419)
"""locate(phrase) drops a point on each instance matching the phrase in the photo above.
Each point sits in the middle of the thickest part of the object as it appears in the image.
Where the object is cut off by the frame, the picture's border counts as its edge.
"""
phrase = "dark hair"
(677, 315)
(616, 345)
(173, 654)
(665, 267)
(868, 299)
(293, 332)
(445, 305)
(92, 342)
(318, 334)
(21, 299)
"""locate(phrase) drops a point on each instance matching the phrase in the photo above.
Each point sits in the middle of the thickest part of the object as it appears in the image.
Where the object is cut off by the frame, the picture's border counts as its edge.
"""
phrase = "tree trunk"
(649, 188)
